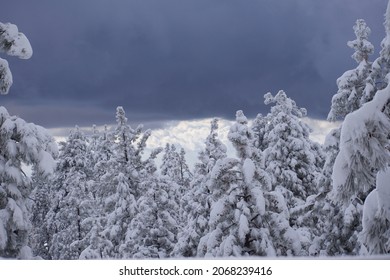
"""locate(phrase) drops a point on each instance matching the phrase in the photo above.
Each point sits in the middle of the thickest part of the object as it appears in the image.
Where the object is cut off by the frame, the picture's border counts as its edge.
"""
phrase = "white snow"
(248, 168)
(370, 209)
(217, 211)
(243, 228)
(6, 80)
(383, 190)
(21, 46)
(359, 145)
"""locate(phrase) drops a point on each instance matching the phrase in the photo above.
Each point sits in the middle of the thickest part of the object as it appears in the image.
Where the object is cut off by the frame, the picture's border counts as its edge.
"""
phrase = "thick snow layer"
(243, 228)
(20, 45)
(6, 77)
(383, 190)
(370, 209)
(248, 169)
(362, 142)
(217, 211)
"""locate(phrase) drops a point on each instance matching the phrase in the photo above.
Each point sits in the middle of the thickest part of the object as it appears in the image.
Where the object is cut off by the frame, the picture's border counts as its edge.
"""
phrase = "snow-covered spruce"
(352, 90)
(72, 200)
(20, 143)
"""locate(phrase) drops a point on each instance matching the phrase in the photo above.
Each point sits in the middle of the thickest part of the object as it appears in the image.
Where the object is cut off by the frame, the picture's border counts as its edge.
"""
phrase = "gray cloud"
(178, 59)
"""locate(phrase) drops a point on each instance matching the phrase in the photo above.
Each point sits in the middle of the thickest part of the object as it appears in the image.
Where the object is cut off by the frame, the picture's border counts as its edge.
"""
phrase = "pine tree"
(118, 221)
(376, 217)
(378, 78)
(129, 146)
(353, 175)
(294, 163)
(40, 236)
(237, 222)
(352, 92)
(258, 130)
(197, 201)
(72, 199)
(363, 152)
(318, 207)
(123, 182)
(153, 231)
(20, 143)
(291, 157)
(174, 166)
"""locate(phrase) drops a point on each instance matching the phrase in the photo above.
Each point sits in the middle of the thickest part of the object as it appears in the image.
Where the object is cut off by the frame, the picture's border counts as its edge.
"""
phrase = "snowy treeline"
(103, 196)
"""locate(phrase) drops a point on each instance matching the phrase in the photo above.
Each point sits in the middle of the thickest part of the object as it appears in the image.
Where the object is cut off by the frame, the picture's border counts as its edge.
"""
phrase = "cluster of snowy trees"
(103, 196)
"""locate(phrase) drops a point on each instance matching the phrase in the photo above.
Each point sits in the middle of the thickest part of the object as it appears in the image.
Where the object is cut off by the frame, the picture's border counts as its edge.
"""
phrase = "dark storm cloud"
(179, 59)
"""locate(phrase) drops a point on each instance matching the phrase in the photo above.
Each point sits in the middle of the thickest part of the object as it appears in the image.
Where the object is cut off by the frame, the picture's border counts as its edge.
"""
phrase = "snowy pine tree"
(236, 226)
(175, 167)
(118, 221)
(352, 84)
(72, 199)
(363, 152)
(20, 143)
(258, 130)
(153, 231)
(291, 157)
(376, 217)
(40, 236)
(197, 201)
(378, 78)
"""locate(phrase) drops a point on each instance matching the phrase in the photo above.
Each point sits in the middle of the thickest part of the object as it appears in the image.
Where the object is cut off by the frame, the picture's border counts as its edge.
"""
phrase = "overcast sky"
(179, 59)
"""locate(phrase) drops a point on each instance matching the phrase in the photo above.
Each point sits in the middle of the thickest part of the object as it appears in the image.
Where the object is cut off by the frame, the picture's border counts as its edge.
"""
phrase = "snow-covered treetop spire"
(214, 147)
(385, 44)
(284, 104)
(121, 116)
(241, 136)
(363, 48)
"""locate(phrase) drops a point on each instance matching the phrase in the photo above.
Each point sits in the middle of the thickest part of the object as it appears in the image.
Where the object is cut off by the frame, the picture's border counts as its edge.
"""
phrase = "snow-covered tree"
(237, 223)
(318, 207)
(129, 146)
(224, 181)
(197, 201)
(153, 231)
(376, 216)
(251, 213)
(293, 160)
(258, 131)
(14, 43)
(40, 236)
(72, 200)
(363, 148)
(363, 153)
(123, 173)
(118, 221)
(352, 91)
(20, 143)
(174, 166)
(378, 78)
